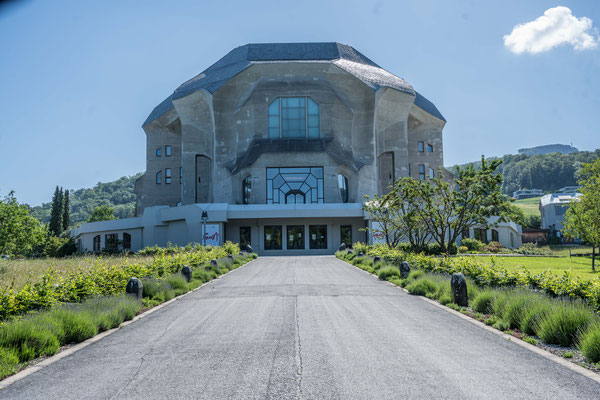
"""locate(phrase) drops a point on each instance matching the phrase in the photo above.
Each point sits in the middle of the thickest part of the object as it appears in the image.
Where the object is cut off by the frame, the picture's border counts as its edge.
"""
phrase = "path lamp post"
(204, 219)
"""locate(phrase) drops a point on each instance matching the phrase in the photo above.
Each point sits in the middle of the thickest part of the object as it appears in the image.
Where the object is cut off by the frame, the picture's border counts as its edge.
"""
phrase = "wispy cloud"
(556, 27)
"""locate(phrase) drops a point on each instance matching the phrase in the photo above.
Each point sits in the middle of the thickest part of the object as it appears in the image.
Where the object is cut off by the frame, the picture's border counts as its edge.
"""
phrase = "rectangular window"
(421, 147)
(168, 150)
(409, 170)
(346, 235)
(126, 241)
(422, 172)
(180, 175)
(431, 173)
(97, 243)
(273, 237)
(480, 234)
(111, 242)
(274, 119)
(245, 236)
(429, 148)
(159, 152)
(495, 236)
(295, 237)
(167, 175)
(318, 236)
(293, 117)
(158, 177)
(465, 233)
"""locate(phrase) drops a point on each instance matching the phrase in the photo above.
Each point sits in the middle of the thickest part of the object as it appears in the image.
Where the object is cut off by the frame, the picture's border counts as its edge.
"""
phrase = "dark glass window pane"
(246, 189)
(343, 187)
(273, 237)
(245, 236)
(295, 237)
(346, 234)
(318, 236)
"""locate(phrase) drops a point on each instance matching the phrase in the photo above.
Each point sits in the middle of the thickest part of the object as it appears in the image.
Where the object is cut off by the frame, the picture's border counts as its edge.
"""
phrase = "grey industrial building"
(277, 144)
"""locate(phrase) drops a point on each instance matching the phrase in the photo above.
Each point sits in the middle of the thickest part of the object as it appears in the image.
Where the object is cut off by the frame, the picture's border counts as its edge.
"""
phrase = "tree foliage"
(56, 214)
(102, 213)
(66, 216)
(20, 233)
(582, 219)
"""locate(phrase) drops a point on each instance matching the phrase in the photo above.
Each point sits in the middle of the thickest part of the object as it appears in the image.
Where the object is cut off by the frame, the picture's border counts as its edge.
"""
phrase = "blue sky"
(78, 78)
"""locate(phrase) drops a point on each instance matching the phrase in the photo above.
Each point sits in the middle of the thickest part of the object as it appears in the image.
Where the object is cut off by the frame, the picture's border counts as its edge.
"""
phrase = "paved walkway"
(302, 327)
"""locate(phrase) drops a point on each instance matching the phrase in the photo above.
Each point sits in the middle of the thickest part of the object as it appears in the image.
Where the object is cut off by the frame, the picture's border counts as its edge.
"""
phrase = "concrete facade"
(373, 128)
(553, 208)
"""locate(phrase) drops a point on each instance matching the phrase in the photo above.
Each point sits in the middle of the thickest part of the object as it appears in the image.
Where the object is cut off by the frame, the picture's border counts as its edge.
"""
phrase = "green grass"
(564, 322)
(589, 342)
(529, 206)
(574, 266)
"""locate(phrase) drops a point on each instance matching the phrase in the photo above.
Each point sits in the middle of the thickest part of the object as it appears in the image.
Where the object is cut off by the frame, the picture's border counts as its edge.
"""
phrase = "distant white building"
(527, 193)
(553, 208)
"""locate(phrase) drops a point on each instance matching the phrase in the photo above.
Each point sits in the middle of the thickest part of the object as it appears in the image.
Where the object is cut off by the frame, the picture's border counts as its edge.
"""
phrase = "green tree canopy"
(102, 213)
(20, 233)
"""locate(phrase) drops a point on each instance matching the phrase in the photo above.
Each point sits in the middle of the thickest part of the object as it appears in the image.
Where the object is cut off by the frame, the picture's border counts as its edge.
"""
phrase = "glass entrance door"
(295, 237)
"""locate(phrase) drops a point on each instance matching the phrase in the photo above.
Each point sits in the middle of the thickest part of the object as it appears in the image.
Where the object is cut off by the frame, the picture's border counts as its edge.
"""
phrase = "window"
(168, 150)
(559, 210)
(246, 189)
(318, 236)
(343, 186)
(495, 236)
(167, 175)
(126, 241)
(421, 147)
(431, 173)
(295, 237)
(97, 243)
(111, 242)
(273, 237)
(159, 152)
(422, 172)
(180, 175)
(465, 233)
(346, 235)
(409, 170)
(295, 185)
(480, 234)
(293, 117)
(159, 177)
(245, 236)
(429, 148)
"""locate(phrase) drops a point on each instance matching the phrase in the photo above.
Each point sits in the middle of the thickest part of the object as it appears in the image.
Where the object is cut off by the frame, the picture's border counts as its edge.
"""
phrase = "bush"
(9, 362)
(463, 249)
(422, 287)
(533, 250)
(533, 313)
(564, 321)
(28, 338)
(483, 302)
(385, 274)
(493, 247)
(589, 343)
(473, 244)
(77, 324)
(177, 281)
(517, 302)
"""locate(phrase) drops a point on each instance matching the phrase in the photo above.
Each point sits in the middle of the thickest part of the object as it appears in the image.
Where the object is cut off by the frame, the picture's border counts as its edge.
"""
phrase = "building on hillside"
(276, 145)
(549, 148)
(568, 189)
(527, 193)
(553, 208)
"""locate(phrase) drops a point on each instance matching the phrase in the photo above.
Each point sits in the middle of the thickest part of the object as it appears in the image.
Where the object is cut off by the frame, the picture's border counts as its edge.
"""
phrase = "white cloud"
(557, 26)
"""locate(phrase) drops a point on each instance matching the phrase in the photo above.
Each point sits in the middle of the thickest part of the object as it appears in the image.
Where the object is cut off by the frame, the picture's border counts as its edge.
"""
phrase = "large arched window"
(246, 189)
(343, 186)
(294, 117)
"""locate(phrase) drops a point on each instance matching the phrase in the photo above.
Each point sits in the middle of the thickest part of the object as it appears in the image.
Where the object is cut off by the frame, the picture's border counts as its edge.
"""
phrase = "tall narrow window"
(168, 150)
(295, 237)
(346, 235)
(159, 152)
(246, 189)
(409, 170)
(431, 173)
(422, 172)
(97, 243)
(126, 241)
(318, 236)
(245, 237)
(158, 177)
(343, 187)
(429, 148)
(167, 175)
(273, 237)
(293, 117)
(180, 175)
(421, 147)
(495, 236)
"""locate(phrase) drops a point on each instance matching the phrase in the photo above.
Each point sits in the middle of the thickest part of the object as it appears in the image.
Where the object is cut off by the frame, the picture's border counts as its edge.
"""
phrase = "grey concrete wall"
(87, 239)
(428, 129)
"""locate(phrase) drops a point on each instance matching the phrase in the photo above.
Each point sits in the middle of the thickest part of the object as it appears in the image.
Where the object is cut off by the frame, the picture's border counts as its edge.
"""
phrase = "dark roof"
(344, 56)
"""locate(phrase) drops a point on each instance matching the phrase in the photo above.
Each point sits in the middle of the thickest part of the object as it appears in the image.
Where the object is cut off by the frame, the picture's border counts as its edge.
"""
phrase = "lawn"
(15, 273)
(529, 206)
(575, 266)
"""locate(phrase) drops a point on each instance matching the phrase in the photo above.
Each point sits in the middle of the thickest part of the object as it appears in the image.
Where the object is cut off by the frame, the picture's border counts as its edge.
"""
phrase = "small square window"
(167, 175)
(168, 150)
(429, 148)
(159, 152)
(421, 147)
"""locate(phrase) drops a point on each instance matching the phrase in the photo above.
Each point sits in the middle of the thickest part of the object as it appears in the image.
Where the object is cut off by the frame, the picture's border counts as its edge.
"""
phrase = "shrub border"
(538, 350)
(67, 352)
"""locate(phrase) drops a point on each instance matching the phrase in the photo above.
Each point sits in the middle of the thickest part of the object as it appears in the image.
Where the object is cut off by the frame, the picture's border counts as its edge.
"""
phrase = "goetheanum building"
(277, 144)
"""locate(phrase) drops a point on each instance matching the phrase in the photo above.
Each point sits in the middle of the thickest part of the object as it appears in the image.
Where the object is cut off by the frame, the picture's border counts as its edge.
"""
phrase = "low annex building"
(276, 145)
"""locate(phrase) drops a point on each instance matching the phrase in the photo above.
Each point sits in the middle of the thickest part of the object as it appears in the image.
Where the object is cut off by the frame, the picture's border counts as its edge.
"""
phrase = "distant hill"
(547, 172)
(119, 194)
(549, 148)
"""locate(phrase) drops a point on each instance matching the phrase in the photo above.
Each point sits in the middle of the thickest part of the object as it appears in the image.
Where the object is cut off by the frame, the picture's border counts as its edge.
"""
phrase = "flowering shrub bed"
(102, 279)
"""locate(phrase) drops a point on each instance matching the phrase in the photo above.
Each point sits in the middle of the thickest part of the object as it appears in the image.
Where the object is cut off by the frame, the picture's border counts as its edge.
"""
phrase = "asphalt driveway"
(302, 327)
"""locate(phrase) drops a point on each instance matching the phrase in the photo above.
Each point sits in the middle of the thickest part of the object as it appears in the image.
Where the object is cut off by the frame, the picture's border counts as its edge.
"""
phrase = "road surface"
(302, 327)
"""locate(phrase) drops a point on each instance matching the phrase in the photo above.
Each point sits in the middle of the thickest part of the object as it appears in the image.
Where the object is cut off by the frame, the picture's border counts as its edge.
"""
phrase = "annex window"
(126, 241)
(273, 237)
(245, 237)
(346, 235)
(168, 150)
(295, 185)
(431, 173)
(246, 189)
(480, 234)
(180, 175)
(465, 233)
(159, 177)
(295, 237)
(293, 117)
(429, 148)
(421, 147)
(167, 175)
(495, 236)
(159, 152)
(422, 172)
(318, 236)
(343, 187)
(97, 243)
(111, 242)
